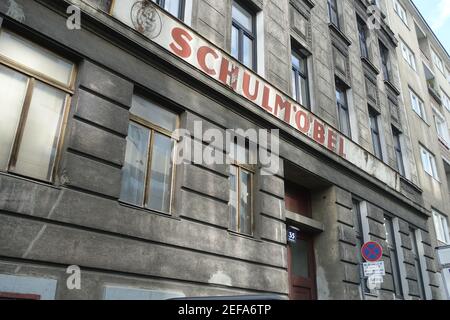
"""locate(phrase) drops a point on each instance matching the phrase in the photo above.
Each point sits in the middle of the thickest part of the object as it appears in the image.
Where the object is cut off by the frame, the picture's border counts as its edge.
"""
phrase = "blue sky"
(437, 14)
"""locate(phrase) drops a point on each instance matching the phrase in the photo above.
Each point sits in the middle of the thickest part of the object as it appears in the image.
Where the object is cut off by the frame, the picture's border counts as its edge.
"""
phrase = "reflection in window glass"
(241, 200)
(35, 57)
(13, 88)
(150, 112)
(160, 176)
(233, 198)
(136, 159)
(300, 264)
(245, 203)
(39, 143)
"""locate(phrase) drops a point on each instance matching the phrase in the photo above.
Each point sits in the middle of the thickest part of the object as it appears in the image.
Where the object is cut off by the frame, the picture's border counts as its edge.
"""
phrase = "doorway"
(302, 268)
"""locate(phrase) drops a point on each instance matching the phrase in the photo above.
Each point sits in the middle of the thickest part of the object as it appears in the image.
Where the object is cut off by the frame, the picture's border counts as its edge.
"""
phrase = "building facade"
(99, 96)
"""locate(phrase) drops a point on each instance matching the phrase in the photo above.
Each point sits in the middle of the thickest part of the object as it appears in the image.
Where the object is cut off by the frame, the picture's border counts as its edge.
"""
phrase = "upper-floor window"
(429, 162)
(343, 109)
(441, 226)
(362, 33)
(375, 132)
(417, 265)
(408, 55)
(147, 178)
(393, 256)
(398, 151)
(417, 104)
(35, 89)
(333, 12)
(300, 80)
(243, 35)
(441, 127)
(241, 197)
(437, 61)
(105, 5)
(445, 100)
(174, 7)
(401, 11)
(385, 61)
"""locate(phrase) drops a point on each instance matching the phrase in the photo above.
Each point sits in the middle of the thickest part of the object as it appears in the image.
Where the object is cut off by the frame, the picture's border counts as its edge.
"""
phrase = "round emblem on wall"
(146, 19)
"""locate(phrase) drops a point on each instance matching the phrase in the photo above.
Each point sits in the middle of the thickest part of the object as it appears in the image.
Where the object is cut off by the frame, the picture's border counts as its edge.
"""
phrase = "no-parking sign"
(372, 251)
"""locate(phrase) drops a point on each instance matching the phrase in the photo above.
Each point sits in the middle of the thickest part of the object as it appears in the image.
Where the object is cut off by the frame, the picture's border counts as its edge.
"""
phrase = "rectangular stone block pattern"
(206, 182)
(102, 112)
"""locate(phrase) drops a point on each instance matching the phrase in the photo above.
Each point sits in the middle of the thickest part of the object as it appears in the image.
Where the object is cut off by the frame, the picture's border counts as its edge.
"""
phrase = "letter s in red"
(181, 46)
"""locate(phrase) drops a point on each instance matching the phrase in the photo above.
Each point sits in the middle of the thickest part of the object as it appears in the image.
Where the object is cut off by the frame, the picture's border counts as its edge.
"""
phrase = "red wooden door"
(302, 268)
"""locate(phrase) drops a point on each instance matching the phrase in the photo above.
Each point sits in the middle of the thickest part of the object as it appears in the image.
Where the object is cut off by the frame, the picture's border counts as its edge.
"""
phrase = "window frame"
(393, 251)
(242, 32)
(420, 105)
(304, 75)
(441, 227)
(34, 76)
(408, 55)
(375, 132)
(345, 107)
(396, 134)
(431, 160)
(439, 121)
(153, 128)
(401, 12)
(181, 8)
(362, 37)
(417, 262)
(333, 11)
(359, 234)
(385, 61)
(437, 61)
(251, 171)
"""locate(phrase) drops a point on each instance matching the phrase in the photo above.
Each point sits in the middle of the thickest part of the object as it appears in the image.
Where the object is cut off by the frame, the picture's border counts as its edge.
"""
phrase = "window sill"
(370, 65)
(36, 181)
(150, 211)
(392, 87)
(242, 235)
(339, 32)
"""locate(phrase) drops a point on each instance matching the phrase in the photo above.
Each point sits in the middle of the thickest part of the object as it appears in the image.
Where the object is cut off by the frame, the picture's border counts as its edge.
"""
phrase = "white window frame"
(429, 163)
(441, 127)
(445, 100)
(408, 55)
(441, 227)
(401, 12)
(437, 61)
(417, 105)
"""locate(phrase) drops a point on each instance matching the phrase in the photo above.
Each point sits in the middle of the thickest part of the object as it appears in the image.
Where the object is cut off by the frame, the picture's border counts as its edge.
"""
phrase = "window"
(401, 12)
(395, 266)
(408, 55)
(35, 88)
(300, 82)
(343, 110)
(385, 62)
(241, 200)
(441, 127)
(375, 132)
(357, 225)
(333, 12)
(398, 151)
(445, 100)
(174, 7)
(437, 61)
(441, 226)
(417, 264)
(243, 36)
(417, 105)
(148, 170)
(429, 163)
(362, 32)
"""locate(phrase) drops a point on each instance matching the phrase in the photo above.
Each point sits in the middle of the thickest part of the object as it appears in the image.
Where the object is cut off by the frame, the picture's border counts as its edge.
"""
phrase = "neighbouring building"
(97, 97)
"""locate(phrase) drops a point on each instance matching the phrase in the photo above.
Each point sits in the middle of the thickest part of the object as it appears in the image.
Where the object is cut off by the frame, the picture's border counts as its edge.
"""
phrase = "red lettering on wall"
(332, 140)
(342, 147)
(202, 53)
(246, 87)
(302, 121)
(265, 100)
(181, 46)
(226, 73)
(319, 132)
(286, 105)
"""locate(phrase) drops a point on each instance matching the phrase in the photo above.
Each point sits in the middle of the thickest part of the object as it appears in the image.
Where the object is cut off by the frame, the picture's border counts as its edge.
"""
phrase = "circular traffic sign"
(372, 251)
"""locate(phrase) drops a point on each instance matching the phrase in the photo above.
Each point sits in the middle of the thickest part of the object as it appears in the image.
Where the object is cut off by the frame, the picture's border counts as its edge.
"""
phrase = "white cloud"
(438, 21)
